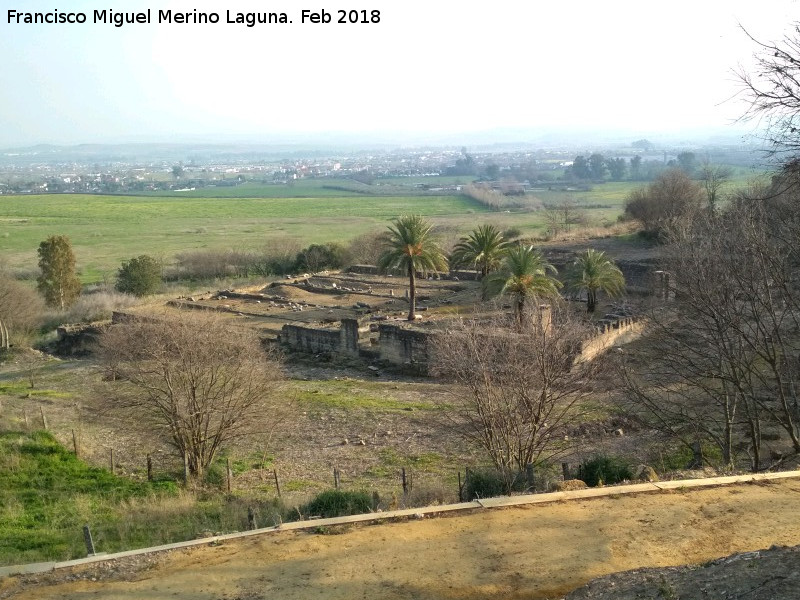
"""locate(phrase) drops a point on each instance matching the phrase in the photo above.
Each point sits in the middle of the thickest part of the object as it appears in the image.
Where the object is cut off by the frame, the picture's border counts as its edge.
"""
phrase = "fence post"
(277, 484)
(149, 468)
(111, 461)
(44, 419)
(228, 474)
(251, 517)
(336, 477)
(460, 488)
(87, 537)
(75, 443)
(405, 483)
(565, 470)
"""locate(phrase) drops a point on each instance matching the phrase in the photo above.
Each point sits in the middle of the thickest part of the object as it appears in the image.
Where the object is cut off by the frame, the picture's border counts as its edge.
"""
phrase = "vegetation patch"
(24, 389)
(605, 470)
(353, 395)
(338, 503)
(47, 495)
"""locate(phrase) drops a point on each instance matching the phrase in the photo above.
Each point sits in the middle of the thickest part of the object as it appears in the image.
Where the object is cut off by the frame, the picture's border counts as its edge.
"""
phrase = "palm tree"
(410, 247)
(593, 271)
(483, 247)
(523, 275)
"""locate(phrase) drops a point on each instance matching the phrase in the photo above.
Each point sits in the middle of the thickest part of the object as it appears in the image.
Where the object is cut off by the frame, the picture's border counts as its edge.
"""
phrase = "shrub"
(318, 257)
(21, 310)
(671, 199)
(338, 503)
(97, 306)
(365, 249)
(139, 276)
(490, 483)
(204, 265)
(604, 469)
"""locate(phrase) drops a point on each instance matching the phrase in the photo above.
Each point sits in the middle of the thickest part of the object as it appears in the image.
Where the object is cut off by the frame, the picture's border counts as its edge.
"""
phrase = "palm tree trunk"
(412, 292)
(591, 300)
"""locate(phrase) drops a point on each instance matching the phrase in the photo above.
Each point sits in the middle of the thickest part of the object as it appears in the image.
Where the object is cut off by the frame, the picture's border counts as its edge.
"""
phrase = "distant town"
(136, 169)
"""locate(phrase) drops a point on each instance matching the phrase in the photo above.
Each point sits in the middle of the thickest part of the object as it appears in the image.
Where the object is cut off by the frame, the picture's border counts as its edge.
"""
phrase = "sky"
(429, 67)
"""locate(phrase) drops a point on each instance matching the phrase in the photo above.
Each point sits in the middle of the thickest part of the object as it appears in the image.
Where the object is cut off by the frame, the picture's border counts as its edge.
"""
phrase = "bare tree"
(21, 310)
(723, 363)
(516, 393)
(713, 178)
(562, 215)
(193, 380)
(772, 91)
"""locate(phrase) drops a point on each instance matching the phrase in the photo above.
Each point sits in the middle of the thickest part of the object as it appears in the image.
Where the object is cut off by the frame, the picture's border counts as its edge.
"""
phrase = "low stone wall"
(408, 347)
(611, 334)
(363, 269)
(313, 341)
(322, 341)
(403, 346)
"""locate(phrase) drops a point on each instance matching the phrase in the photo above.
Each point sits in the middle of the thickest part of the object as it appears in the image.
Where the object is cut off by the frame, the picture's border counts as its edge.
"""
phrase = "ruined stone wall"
(307, 339)
(316, 341)
(404, 346)
(639, 275)
(611, 334)
(79, 340)
(363, 269)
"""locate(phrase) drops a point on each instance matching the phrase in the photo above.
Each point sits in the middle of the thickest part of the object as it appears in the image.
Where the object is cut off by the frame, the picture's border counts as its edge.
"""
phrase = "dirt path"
(532, 552)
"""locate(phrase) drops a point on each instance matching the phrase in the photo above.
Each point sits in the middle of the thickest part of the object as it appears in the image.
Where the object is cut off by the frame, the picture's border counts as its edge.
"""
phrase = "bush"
(318, 257)
(365, 249)
(603, 469)
(338, 503)
(672, 198)
(204, 265)
(490, 483)
(21, 309)
(139, 276)
(96, 306)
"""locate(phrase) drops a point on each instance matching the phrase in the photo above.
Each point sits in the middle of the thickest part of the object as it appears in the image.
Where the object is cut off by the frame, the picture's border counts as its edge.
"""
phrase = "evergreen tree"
(58, 282)
(139, 276)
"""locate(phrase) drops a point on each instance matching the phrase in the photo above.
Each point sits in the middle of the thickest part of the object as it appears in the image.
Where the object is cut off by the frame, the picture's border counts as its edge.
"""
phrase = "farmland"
(108, 229)
(105, 230)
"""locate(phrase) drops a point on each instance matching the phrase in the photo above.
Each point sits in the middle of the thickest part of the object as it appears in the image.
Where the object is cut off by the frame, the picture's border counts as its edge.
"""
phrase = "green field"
(108, 229)
(306, 188)
(105, 230)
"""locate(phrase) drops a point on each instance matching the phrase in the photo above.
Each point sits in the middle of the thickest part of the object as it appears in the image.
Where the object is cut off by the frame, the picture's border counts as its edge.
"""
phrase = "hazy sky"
(428, 66)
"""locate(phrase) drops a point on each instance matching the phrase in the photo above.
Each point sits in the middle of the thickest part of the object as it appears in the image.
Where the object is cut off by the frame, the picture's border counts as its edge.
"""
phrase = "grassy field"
(310, 188)
(105, 230)
(306, 188)
(47, 495)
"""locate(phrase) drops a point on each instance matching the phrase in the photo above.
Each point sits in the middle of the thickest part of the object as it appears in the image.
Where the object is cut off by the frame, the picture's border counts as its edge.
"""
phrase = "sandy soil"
(533, 552)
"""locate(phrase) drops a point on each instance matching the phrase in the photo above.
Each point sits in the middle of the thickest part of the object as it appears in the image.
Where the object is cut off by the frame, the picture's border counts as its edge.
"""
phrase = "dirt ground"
(533, 552)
